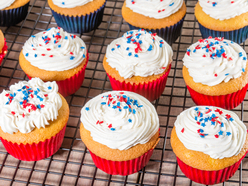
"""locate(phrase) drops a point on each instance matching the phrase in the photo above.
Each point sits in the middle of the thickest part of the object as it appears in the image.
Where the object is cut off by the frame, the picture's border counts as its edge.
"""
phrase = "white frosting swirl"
(29, 104)
(70, 3)
(224, 9)
(5, 3)
(54, 50)
(139, 53)
(212, 61)
(157, 9)
(211, 130)
(120, 120)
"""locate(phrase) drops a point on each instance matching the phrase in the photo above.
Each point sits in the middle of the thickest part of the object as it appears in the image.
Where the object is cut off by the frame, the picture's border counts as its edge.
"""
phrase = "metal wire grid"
(72, 164)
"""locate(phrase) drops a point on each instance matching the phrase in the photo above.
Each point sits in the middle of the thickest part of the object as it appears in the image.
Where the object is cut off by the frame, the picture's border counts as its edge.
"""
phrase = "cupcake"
(55, 55)
(162, 17)
(77, 16)
(33, 119)
(216, 72)
(13, 11)
(140, 62)
(3, 47)
(223, 18)
(120, 129)
(209, 143)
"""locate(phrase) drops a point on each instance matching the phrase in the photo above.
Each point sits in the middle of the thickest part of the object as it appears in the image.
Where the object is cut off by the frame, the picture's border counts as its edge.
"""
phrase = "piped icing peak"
(214, 60)
(29, 104)
(139, 53)
(54, 50)
(70, 3)
(211, 130)
(157, 9)
(224, 9)
(120, 120)
(5, 3)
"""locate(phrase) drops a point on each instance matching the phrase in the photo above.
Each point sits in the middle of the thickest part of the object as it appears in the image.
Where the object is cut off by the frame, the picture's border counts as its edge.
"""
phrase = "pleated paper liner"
(4, 51)
(208, 177)
(169, 34)
(238, 36)
(35, 152)
(13, 16)
(228, 101)
(80, 24)
(151, 90)
(71, 85)
(122, 167)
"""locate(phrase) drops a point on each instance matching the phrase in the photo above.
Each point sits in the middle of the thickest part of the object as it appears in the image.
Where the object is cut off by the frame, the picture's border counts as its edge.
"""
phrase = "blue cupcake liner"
(238, 36)
(80, 24)
(13, 16)
(169, 34)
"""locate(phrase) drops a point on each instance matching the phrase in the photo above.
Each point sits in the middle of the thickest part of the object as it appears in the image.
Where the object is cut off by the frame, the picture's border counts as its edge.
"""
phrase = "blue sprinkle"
(202, 136)
(119, 110)
(118, 104)
(113, 129)
(26, 54)
(72, 57)
(33, 36)
(160, 45)
(35, 92)
(129, 120)
(196, 109)
(171, 4)
(228, 133)
(213, 115)
(201, 120)
(244, 58)
(38, 106)
(203, 124)
(127, 48)
(134, 111)
(103, 103)
(59, 46)
(214, 4)
(140, 106)
(66, 37)
(118, 46)
(87, 108)
(38, 89)
(240, 54)
(130, 110)
(130, 53)
(124, 96)
(206, 119)
(243, 69)
(6, 103)
(150, 48)
(201, 115)
(41, 99)
(136, 55)
(49, 87)
(114, 107)
(201, 130)
(212, 123)
(140, 42)
(82, 47)
(227, 74)
(231, 119)
(112, 49)
(83, 55)
(196, 118)
(221, 132)
(125, 107)
(194, 50)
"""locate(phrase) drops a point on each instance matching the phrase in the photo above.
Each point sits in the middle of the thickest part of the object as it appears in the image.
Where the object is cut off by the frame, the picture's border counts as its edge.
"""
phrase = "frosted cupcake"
(13, 11)
(140, 62)
(216, 72)
(120, 129)
(209, 143)
(3, 46)
(77, 16)
(55, 55)
(223, 18)
(33, 119)
(162, 17)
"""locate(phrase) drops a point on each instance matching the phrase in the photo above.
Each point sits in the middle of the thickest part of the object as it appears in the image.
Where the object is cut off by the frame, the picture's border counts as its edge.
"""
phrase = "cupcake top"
(70, 3)
(224, 9)
(214, 60)
(157, 9)
(120, 120)
(29, 104)
(5, 3)
(211, 130)
(54, 50)
(139, 53)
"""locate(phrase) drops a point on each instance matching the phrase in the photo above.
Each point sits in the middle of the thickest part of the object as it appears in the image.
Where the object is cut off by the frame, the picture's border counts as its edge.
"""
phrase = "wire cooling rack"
(72, 164)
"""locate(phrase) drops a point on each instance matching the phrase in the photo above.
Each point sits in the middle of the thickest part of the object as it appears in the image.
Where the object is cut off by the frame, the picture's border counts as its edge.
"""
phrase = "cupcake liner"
(80, 24)
(4, 51)
(71, 85)
(151, 90)
(228, 101)
(209, 177)
(169, 34)
(122, 167)
(34, 151)
(238, 36)
(13, 16)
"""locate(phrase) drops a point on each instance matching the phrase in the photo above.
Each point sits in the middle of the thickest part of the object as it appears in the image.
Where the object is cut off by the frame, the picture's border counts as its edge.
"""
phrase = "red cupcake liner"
(34, 151)
(209, 177)
(71, 85)
(4, 51)
(121, 167)
(228, 101)
(151, 90)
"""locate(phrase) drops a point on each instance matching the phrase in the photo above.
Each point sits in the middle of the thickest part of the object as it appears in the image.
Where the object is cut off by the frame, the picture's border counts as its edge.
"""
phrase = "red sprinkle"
(198, 122)
(182, 130)
(51, 56)
(215, 75)
(43, 54)
(110, 126)
(216, 135)
(23, 115)
(13, 112)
